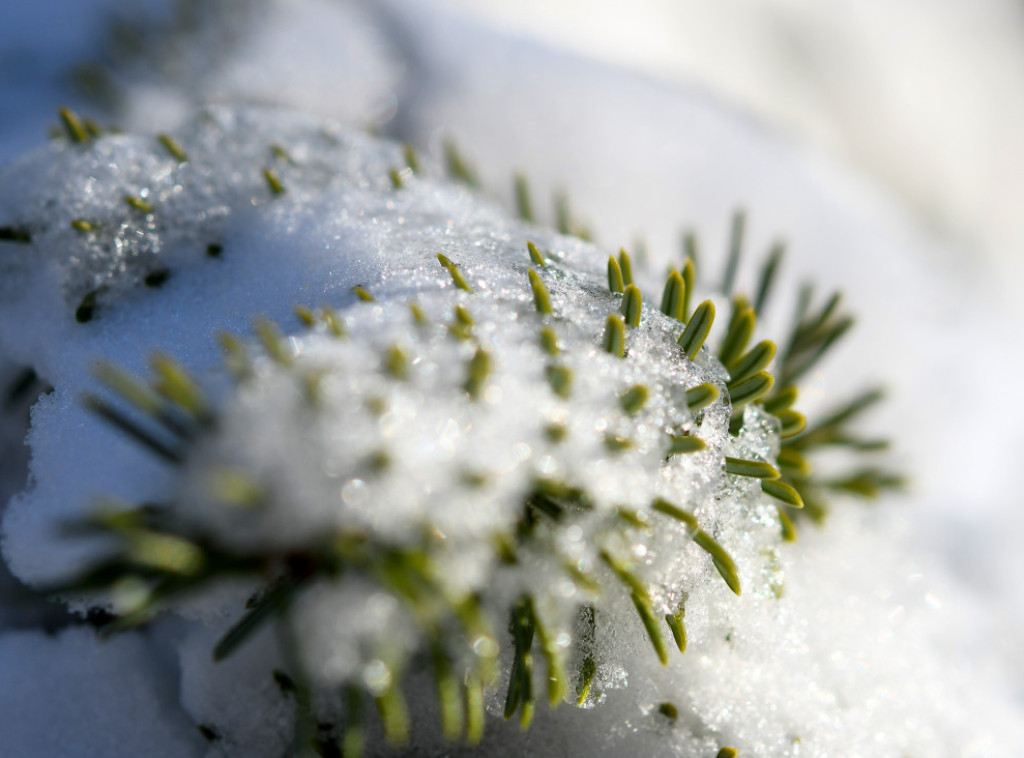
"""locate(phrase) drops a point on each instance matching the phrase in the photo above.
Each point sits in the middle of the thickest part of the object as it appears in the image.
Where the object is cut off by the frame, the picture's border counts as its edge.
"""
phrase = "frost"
(138, 211)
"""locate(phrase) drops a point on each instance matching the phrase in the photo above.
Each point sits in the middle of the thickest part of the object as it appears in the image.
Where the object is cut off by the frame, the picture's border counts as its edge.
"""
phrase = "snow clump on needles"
(342, 425)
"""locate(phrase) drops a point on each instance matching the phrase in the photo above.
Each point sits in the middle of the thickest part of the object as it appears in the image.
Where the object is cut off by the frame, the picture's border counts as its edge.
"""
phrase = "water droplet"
(355, 493)
(485, 647)
(376, 676)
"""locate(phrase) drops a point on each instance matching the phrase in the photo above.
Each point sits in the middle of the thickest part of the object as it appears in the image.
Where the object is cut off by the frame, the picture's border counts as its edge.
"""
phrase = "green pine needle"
(396, 362)
(175, 384)
(735, 248)
(353, 738)
(520, 683)
(560, 379)
(812, 336)
(697, 330)
(673, 298)
(722, 561)
(615, 443)
(700, 397)
(134, 391)
(418, 315)
(615, 281)
(634, 399)
(779, 490)
(750, 389)
(554, 658)
(173, 147)
(477, 371)
(563, 216)
(754, 360)
(681, 444)
(394, 716)
(463, 316)
(92, 127)
(867, 483)
(271, 603)
(754, 469)
(475, 710)
(524, 206)
(792, 423)
(541, 298)
(535, 255)
(627, 266)
(412, 159)
(782, 399)
(786, 526)
(549, 341)
(449, 694)
(641, 601)
(632, 304)
(273, 181)
(588, 668)
(833, 429)
(691, 251)
(678, 628)
(741, 329)
(233, 487)
(768, 273)
(794, 463)
(614, 341)
(453, 271)
(138, 204)
(272, 340)
(73, 126)
(236, 356)
(458, 167)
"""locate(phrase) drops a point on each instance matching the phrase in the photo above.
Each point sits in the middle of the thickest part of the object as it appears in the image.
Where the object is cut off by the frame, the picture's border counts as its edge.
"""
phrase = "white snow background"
(937, 571)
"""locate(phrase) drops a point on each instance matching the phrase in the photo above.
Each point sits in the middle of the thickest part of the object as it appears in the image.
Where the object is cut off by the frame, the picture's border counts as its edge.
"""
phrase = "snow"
(854, 641)
(40, 45)
(88, 698)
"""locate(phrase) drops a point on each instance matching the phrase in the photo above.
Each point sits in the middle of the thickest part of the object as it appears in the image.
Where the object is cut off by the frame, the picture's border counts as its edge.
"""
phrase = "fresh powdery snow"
(462, 475)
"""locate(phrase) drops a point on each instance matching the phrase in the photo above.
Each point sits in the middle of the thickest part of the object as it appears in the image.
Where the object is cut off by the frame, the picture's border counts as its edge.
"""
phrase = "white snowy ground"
(641, 158)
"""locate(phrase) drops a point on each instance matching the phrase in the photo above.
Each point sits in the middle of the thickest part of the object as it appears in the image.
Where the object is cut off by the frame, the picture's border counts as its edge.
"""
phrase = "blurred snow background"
(924, 95)
(882, 140)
